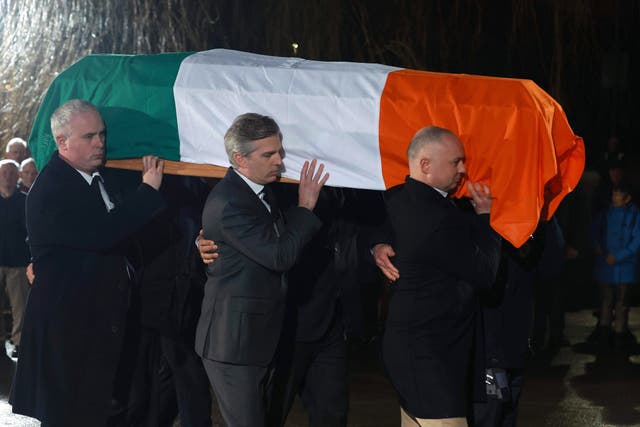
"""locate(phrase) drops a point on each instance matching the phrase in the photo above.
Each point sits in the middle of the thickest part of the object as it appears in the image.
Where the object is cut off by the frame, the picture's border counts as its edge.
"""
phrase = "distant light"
(93, 35)
(294, 47)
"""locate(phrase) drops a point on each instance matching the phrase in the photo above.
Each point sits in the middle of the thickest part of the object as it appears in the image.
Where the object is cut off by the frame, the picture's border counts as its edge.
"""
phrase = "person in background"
(616, 240)
(504, 324)
(16, 150)
(614, 153)
(28, 174)
(14, 252)
(165, 376)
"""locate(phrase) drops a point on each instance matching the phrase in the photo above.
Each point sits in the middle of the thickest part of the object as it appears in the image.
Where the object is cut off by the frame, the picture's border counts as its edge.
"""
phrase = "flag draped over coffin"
(357, 118)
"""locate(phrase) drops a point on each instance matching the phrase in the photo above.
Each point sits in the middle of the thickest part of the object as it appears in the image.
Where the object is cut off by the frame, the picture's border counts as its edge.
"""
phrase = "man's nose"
(98, 140)
(277, 159)
(461, 168)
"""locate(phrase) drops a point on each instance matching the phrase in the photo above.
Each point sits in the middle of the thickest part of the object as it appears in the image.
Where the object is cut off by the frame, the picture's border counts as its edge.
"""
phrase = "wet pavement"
(575, 386)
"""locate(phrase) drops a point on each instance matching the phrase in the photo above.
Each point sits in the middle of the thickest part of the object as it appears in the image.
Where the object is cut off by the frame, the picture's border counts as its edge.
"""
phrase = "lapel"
(241, 189)
(75, 185)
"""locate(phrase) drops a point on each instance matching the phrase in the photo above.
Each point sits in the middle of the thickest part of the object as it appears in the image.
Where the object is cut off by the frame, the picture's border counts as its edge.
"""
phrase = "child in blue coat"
(616, 233)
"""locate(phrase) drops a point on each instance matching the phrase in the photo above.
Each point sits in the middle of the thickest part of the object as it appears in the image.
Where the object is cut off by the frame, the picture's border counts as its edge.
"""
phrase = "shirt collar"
(443, 193)
(89, 177)
(256, 188)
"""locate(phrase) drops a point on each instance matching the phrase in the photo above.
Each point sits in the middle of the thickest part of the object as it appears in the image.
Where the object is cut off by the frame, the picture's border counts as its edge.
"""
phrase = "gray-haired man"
(244, 301)
(75, 317)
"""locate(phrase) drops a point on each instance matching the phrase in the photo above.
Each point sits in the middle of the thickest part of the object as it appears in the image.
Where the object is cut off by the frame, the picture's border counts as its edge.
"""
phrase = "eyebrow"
(90, 134)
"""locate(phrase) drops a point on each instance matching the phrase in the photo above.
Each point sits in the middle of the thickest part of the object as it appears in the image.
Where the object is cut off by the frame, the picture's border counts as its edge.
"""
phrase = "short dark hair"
(246, 129)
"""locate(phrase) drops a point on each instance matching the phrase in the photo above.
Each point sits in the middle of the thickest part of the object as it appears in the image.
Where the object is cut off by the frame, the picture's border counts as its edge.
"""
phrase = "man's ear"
(61, 142)
(425, 165)
(240, 160)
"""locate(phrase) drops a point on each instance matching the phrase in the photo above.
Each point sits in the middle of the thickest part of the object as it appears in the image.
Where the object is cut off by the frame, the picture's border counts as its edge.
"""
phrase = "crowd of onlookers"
(18, 171)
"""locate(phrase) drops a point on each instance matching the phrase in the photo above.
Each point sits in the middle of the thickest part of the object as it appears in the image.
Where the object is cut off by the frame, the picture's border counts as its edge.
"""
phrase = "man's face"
(446, 168)
(16, 152)
(28, 174)
(83, 144)
(8, 178)
(264, 165)
(616, 175)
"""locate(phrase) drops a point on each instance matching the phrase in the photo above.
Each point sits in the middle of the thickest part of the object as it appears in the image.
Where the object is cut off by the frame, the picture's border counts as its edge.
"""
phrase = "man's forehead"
(447, 145)
(86, 119)
(452, 145)
(270, 143)
(8, 166)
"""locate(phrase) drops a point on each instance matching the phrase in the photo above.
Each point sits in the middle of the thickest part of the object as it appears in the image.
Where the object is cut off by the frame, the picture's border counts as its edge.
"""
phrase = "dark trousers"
(191, 384)
(163, 378)
(495, 413)
(317, 372)
(242, 391)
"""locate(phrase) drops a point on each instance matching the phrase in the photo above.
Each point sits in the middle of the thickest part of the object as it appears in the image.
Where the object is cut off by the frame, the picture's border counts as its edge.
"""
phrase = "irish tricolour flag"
(356, 118)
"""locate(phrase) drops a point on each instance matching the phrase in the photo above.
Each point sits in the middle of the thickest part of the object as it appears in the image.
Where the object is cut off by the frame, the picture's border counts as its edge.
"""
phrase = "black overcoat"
(443, 255)
(75, 315)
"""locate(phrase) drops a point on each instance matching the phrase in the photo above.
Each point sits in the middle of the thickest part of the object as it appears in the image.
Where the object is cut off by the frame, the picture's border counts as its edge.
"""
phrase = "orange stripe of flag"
(516, 137)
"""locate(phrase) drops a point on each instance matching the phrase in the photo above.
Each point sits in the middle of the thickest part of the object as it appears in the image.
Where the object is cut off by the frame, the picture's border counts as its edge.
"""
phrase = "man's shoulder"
(55, 179)
(410, 193)
(230, 187)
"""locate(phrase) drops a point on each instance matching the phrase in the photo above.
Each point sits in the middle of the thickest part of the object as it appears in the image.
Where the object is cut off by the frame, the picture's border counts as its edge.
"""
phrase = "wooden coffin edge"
(179, 168)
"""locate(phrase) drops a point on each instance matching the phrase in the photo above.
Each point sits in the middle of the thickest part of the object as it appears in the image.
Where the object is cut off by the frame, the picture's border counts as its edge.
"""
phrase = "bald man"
(442, 256)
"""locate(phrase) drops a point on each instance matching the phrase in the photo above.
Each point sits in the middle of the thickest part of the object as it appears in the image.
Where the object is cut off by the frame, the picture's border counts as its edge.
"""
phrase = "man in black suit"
(442, 258)
(243, 307)
(324, 306)
(75, 316)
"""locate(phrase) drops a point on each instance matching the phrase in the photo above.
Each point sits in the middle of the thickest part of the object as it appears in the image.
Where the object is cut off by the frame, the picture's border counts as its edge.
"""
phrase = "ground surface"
(575, 387)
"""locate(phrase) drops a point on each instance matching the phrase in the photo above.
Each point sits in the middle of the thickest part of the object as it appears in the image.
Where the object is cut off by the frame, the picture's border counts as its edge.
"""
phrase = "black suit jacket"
(443, 256)
(244, 301)
(75, 315)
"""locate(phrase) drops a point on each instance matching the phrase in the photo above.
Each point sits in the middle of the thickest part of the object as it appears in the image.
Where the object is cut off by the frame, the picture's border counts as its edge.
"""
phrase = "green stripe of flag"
(134, 94)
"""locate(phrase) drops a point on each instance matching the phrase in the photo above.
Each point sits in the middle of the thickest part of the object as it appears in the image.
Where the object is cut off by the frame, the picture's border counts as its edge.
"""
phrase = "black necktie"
(269, 198)
(95, 189)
